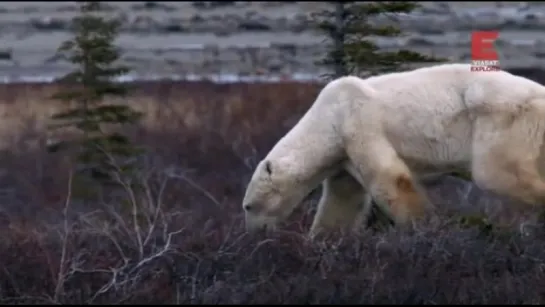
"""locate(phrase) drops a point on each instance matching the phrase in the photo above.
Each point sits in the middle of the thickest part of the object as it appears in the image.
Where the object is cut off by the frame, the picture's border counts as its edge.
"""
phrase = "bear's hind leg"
(509, 155)
(509, 175)
(341, 206)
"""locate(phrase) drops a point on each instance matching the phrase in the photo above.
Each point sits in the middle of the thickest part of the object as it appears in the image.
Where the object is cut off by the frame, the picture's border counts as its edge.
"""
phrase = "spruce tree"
(99, 153)
(353, 53)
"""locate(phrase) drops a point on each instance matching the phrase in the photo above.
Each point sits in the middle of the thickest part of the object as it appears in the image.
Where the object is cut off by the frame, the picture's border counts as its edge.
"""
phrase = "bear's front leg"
(341, 207)
(388, 179)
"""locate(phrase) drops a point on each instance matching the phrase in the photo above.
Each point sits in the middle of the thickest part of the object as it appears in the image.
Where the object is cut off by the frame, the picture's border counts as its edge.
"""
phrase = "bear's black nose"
(248, 207)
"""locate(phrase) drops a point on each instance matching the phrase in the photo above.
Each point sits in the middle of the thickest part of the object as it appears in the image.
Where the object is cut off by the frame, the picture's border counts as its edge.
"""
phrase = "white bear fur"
(379, 134)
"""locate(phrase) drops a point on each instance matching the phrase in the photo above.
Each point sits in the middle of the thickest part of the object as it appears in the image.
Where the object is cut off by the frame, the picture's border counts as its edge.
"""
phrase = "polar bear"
(374, 137)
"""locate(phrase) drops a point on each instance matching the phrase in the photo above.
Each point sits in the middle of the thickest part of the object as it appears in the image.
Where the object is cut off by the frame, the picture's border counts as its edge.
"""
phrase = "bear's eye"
(268, 167)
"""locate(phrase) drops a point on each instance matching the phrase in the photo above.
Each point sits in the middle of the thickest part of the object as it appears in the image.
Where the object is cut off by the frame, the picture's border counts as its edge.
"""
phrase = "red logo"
(484, 56)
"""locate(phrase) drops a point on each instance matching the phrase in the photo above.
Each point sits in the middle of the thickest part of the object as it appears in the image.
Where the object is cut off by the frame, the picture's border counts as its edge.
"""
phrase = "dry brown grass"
(177, 107)
(183, 240)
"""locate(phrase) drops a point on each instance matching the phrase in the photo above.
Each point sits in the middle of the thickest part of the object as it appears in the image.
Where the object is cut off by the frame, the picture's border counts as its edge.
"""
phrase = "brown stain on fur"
(410, 197)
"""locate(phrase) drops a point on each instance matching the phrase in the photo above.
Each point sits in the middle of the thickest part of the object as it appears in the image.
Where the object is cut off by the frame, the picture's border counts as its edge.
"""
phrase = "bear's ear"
(268, 167)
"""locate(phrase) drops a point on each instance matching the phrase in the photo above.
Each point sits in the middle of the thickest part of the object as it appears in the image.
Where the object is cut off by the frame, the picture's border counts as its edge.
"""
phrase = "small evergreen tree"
(348, 26)
(92, 49)
(353, 53)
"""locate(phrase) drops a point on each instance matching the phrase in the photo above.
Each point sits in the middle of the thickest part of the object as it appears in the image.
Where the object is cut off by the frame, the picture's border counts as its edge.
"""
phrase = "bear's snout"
(249, 207)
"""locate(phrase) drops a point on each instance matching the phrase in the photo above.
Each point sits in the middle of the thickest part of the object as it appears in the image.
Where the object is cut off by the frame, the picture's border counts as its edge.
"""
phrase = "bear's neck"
(312, 146)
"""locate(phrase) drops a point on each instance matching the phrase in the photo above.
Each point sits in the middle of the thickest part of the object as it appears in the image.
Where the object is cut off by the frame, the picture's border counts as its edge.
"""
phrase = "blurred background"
(232, 39)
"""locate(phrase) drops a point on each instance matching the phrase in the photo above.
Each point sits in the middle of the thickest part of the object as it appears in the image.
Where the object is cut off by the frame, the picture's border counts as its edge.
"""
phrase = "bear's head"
(311, 151)
(272, 194)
